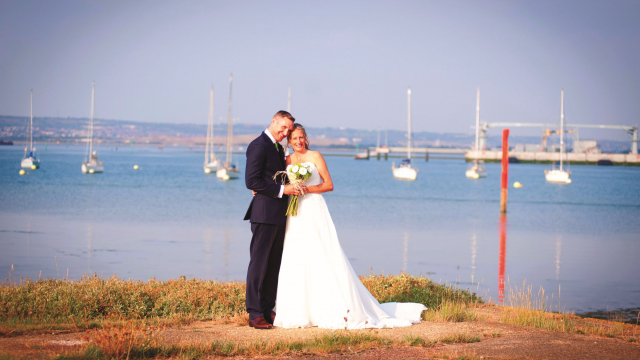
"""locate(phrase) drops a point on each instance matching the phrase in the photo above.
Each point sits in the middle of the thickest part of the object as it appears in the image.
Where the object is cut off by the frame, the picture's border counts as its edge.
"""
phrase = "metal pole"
(409, 123)
(561, 127)
(229, 126)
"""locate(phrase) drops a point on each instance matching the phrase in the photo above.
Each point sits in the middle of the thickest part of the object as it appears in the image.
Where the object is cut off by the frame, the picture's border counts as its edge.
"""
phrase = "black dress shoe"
(260, 324)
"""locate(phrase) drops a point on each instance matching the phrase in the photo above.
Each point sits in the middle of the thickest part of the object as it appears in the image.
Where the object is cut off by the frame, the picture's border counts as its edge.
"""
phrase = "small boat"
(477, 170)
(559, 175)
(229, 170)
(30, 161)
(362, 155)
(211, 162)
(405, 171)
(92, 165)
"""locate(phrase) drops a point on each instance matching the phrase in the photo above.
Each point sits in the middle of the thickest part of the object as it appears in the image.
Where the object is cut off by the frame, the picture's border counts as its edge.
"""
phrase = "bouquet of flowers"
(297, 174)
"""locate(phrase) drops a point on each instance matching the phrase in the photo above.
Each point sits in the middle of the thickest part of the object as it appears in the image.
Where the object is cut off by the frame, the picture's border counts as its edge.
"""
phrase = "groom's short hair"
(285, 114)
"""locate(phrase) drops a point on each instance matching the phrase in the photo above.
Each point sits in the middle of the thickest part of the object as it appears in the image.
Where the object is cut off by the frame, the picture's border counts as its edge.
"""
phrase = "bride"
(317, 285)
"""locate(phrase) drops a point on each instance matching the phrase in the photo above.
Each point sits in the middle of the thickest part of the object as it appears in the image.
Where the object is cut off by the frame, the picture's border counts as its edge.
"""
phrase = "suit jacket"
(263, 162)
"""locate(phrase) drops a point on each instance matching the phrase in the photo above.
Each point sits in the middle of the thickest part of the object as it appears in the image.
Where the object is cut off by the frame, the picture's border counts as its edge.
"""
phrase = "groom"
(265, 157)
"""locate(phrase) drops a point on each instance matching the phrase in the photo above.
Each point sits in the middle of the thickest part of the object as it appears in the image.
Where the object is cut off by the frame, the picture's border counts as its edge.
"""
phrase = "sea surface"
(580, 242)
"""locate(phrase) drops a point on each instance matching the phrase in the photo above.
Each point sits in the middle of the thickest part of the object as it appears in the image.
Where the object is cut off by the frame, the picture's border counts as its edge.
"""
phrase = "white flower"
(295, 169)
(303, 171)
(289, 168)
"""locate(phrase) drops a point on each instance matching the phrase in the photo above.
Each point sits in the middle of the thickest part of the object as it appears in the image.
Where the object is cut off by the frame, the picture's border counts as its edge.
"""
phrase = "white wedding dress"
(317, 285)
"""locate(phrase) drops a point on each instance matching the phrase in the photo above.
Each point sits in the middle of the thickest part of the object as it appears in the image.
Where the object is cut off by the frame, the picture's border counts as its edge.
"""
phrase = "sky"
(349, 62)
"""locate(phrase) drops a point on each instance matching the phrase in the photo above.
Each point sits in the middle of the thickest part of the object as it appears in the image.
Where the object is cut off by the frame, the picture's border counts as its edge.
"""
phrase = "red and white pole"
(505, 171)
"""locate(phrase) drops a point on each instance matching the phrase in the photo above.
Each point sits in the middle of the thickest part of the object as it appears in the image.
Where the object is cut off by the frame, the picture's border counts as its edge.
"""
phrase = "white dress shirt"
(274, 141)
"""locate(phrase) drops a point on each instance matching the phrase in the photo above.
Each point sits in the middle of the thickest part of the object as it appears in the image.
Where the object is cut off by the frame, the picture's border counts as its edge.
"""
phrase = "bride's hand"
(254, 193)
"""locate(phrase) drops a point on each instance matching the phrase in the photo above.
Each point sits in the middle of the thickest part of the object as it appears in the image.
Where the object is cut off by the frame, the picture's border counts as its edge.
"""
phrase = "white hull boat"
(228, 170)
(93, 165)
(212, 167)
(88, 168)
(405, 172)
(30, 163)
(228, 174)
(211, 162)
(557, 176)
(477, 171)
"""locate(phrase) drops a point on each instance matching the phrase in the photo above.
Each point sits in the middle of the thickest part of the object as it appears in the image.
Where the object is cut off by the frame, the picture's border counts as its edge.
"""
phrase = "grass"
(452, 311)
(92, 301)
(528, 309)
(338, 342)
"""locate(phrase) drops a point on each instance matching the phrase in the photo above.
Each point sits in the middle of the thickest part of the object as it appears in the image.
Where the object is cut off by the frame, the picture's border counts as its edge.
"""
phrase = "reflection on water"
(474, 251)
(502, 253)
(558, 248)
(89, 242)
(405, 252)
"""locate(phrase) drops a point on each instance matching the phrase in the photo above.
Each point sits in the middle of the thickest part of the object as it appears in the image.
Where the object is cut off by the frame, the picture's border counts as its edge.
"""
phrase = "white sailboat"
(405, 171)
(229, 170)
(559, 175)
(91, 165)
(211, 162)
(30, 161)
(477, 170)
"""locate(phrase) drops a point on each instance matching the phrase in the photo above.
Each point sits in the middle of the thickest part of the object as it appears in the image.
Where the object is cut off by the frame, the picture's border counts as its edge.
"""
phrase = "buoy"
(21, 172)
(207, 171)
(568, 181)
(33, 167)
(517, 185)
(90, 171)
(135, 167)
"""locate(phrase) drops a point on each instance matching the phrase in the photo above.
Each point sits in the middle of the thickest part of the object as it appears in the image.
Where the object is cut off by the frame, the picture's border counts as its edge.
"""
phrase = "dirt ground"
(498, 341)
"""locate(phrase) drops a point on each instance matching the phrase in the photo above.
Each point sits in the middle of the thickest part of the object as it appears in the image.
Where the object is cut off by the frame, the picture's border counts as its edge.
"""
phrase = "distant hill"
(74, 130)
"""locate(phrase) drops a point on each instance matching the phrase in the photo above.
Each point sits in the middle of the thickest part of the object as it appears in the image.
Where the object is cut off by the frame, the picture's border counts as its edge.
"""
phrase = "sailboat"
(405, 171)
(229, 170)
(93, 165)
(477, 170)
(559, 175)
(30, 161)
(211, 162)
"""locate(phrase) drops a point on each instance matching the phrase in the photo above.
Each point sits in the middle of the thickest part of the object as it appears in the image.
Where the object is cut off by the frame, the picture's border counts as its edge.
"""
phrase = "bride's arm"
(323, 171)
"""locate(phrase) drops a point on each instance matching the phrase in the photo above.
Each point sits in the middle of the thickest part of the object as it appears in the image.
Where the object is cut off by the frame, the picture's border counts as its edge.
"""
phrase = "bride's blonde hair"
(297, 126)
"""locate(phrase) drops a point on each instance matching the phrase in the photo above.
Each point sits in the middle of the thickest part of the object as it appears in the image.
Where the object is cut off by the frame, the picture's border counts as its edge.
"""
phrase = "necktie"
(277, 146)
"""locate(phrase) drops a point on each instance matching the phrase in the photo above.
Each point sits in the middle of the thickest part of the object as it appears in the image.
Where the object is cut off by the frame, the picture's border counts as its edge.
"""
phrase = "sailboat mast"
(561, 127)
(409, 123)
(209, 130)
(477, 124)
(31, 124)
(229, 126)
(211, 152)
(93, 93)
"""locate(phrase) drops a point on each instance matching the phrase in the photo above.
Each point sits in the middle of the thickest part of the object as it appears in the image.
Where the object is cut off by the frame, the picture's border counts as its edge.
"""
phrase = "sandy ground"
(498, 341)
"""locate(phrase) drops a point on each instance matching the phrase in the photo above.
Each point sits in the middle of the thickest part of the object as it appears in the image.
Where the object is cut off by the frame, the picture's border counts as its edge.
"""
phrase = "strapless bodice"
(315, 178)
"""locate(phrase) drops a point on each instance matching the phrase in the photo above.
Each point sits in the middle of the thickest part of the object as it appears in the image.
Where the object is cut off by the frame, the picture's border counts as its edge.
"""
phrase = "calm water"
(170, 219)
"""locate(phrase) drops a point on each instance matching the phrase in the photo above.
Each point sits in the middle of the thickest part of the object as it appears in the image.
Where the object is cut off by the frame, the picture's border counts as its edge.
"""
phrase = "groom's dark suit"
(268, 221)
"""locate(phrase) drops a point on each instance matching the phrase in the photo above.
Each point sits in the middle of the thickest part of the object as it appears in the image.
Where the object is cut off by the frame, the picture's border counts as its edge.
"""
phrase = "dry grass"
(452, 311)
(529, 309)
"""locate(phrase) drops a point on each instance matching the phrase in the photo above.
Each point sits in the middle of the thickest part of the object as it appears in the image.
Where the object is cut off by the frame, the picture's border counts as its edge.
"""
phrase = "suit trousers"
(266, 247)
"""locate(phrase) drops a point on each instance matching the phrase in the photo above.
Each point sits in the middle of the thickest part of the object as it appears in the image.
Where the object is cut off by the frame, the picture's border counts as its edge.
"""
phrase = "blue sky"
(349, 62)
